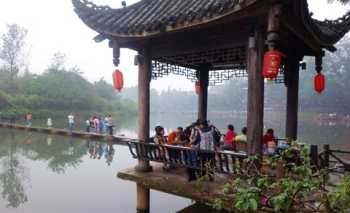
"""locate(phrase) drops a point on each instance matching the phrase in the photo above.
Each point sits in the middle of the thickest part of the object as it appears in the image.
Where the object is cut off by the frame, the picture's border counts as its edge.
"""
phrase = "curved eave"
(103, 19)
(326, 33)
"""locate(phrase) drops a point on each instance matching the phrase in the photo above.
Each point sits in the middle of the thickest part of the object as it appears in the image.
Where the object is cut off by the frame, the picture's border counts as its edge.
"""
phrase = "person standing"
(49, 122)
(241, 141)
(97, 124)
(195, 134)
(194, 140)
(87, 125)
(109, 124)
(28, 118)
(102, 125)
(229, 138)
(207, 150)
(71, 121)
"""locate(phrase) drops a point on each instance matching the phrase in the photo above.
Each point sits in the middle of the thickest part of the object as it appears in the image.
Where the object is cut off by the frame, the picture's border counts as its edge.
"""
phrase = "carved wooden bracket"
(273, 26)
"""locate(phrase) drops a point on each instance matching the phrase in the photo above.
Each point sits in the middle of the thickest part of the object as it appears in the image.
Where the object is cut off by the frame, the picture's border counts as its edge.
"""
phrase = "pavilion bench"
(226, 162)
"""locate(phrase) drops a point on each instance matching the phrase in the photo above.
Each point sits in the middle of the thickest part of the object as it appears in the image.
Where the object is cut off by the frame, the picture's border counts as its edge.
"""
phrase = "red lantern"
(197, 87)
(272, 64)
(118, 80)
(320, 82)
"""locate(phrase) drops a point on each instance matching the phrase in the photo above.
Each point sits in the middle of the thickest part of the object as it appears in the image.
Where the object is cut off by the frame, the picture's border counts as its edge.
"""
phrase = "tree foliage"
(288, 183)
(12, 48)
(58, 89)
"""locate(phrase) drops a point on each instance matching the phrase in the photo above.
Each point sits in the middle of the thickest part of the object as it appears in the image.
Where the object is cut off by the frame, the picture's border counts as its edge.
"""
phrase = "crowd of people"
(206, 139)
(202, 135)
(95, 124)
(100, 125)
(205, 136)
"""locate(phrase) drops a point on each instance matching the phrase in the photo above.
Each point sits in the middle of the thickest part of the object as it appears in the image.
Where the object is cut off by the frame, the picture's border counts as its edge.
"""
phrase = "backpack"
(207, 141)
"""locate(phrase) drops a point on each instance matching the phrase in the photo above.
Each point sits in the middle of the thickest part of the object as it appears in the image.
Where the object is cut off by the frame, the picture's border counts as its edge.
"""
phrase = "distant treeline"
(232, 95)
(56, 92)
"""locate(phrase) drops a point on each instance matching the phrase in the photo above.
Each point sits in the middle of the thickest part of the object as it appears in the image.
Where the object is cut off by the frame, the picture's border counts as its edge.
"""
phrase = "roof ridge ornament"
(339, 20)
(123, 3)
(339, 26)
(85, 4)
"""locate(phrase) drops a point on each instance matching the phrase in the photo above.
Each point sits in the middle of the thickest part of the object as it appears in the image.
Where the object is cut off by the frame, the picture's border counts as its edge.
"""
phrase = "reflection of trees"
(60, 153)
(11, 173)
(64, 159)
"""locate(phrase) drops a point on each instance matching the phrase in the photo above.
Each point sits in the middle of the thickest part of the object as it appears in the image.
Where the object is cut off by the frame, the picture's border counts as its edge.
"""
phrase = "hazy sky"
(54, 27)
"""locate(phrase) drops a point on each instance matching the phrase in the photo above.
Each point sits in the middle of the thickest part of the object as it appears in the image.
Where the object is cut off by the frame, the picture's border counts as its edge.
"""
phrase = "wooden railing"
(226, 162)
(336, 160)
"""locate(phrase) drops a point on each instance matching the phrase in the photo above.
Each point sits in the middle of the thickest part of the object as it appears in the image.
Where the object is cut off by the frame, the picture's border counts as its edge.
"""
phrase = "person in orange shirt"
(171, 138)
(177, 137)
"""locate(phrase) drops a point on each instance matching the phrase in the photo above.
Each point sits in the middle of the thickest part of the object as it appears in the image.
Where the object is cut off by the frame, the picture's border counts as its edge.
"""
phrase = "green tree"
(104, 90)
(12, 48)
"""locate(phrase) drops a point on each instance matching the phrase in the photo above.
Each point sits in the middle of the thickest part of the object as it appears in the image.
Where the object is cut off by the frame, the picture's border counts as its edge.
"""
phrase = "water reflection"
(12, 173)
(57, 165)
(58, 153)
(97, 150)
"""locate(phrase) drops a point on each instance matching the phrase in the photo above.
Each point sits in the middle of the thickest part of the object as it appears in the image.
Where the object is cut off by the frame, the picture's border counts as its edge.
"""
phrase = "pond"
(45, 173)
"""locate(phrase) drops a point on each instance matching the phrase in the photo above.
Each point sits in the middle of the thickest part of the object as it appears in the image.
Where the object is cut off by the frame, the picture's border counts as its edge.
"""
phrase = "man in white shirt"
(71, 121)
(109, 124)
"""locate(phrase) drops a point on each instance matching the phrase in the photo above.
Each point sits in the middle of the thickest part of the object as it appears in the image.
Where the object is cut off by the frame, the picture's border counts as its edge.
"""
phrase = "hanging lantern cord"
(319, 61)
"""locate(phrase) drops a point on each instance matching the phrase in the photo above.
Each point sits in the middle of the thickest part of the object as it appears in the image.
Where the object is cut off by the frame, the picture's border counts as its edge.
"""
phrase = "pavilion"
(214, 40)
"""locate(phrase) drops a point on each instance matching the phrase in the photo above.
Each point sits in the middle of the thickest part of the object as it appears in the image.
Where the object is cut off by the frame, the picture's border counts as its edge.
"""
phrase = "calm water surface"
(45, 173)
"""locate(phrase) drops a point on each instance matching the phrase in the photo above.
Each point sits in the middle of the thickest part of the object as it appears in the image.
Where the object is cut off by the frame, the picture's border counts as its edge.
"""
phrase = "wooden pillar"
(314, 155)
(292, 83)
(255, 109)
(203, 76)
(326, 150)
(144, 80)
(143, 199)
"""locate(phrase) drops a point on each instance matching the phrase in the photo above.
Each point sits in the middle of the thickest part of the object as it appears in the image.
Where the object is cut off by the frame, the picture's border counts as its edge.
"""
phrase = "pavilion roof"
(151, 17)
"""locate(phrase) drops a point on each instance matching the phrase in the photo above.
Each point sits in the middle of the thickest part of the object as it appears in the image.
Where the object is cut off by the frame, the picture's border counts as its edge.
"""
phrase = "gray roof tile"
(152, 16)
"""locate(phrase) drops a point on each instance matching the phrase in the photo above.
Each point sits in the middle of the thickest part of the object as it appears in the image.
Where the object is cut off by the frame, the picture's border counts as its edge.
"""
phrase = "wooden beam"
(292, 82)
(144, 80)
(203, 93)
(193, 44)
(255, 117)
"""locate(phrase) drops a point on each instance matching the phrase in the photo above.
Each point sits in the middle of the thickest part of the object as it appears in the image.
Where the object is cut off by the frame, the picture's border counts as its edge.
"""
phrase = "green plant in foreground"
(338, 200)
(300, 188)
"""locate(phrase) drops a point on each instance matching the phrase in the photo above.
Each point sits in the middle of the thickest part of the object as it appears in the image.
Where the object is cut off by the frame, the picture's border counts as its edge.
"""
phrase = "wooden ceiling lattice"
(216, 77)
(160, 70)
(219, 59)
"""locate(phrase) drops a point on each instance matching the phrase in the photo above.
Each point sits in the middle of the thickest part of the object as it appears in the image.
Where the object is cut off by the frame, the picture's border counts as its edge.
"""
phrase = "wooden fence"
(226, 162)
